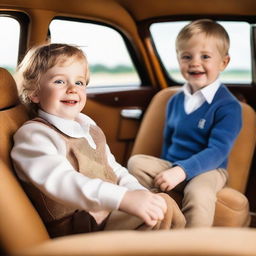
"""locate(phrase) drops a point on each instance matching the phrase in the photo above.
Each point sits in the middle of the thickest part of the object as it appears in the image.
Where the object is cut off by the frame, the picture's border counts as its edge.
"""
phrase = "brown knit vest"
(90, 162)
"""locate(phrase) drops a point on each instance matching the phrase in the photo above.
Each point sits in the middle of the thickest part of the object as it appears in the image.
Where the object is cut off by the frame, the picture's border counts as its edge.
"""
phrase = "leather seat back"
(20, 225)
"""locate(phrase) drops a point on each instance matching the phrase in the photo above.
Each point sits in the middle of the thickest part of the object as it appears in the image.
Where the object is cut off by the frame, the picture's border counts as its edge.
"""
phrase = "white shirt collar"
(193, 101)
(207, 92)
(77, 129)
(210, 90)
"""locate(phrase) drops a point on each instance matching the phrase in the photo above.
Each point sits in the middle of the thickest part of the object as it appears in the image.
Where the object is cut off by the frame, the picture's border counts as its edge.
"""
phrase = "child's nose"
(71, 88)
(195, 62)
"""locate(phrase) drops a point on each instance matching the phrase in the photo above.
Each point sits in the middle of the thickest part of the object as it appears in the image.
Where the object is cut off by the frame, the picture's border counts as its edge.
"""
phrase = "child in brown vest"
(63, 160)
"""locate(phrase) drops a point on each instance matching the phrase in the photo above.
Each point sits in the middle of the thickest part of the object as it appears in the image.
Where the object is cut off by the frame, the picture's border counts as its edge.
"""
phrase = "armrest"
(200, 241)
(232, 209)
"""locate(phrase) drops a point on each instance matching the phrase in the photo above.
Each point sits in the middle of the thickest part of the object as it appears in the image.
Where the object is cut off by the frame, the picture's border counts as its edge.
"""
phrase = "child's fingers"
(159, 206)
(161, 203)
(154, 215)
(149, 218)
(154, 209)
(160, 212)
(151, 222)
(158, 180)
(163, 185)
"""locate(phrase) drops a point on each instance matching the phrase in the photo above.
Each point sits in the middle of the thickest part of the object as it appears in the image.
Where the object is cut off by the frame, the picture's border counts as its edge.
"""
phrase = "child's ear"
(34, 97)
(225, 62)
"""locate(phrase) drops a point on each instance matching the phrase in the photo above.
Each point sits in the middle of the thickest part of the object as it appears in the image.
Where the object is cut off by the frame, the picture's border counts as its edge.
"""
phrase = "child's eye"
(80, 83)
(205, 56)
(59, 81)
(185, 57)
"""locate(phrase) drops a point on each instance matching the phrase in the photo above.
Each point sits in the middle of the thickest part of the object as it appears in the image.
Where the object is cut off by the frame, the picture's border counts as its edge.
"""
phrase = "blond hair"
(210, 29)
(36, 62)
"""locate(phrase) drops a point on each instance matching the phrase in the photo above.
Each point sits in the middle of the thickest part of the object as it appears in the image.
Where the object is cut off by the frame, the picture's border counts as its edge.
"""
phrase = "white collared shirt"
(193, 101)
(75, 129)
(39, 157)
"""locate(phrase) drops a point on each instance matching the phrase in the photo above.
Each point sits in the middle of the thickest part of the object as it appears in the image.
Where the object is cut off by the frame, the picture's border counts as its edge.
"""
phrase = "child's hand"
(169, 179)
(145, 205)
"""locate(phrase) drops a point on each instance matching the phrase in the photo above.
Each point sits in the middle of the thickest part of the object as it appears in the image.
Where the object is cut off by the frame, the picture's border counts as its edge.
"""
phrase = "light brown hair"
(37, 61)
(210, 29)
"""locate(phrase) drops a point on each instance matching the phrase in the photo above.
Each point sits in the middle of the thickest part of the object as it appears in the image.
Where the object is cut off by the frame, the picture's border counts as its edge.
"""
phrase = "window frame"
(131, 50)
(23, 20)
(145, 26)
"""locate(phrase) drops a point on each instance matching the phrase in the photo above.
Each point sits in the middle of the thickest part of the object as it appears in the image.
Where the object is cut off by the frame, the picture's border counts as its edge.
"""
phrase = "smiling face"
(63, 89)
(201, 61)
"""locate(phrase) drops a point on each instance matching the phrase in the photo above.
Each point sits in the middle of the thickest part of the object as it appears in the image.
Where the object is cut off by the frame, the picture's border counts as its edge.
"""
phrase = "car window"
(108, 56)
(239, 68)
(9, 42)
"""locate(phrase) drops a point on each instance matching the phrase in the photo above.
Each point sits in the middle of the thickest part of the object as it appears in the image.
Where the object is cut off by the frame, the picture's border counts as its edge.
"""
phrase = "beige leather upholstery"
(232, 207)
(23, 233)
(6, 99)
(196, 242)
(14, 203)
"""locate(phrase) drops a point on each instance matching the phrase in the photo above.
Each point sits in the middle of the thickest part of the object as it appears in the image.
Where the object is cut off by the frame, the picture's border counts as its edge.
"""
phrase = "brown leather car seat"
(22, 232)
(13, 201)
(232, 207)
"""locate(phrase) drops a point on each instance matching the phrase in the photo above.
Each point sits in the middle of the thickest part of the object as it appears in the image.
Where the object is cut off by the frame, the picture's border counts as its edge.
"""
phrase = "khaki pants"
(199, 194)
(84, 222)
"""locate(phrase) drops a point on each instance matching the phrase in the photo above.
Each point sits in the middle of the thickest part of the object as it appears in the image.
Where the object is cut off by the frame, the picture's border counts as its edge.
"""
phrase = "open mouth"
(69, 102)
(196, 73)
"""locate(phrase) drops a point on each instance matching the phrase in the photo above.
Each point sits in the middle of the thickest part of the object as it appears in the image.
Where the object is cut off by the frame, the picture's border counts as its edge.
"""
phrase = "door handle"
(132, 113)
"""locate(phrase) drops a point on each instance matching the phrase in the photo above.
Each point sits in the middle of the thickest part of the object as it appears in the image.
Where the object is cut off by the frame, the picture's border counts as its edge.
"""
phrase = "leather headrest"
(8, 90)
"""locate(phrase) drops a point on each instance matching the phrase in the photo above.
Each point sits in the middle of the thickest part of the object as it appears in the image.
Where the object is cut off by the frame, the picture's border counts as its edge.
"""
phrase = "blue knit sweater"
(201, 141)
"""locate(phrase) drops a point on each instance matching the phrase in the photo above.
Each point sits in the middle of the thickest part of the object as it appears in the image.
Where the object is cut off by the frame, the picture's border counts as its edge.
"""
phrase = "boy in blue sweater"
(202, 123)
